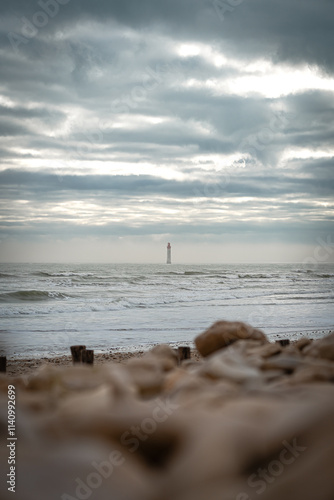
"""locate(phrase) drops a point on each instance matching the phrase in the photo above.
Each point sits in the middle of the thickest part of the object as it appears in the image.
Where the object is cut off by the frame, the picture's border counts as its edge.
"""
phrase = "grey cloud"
(12, 129)
(234, 231)
(287, 30)
(238, 184)
(86, 71)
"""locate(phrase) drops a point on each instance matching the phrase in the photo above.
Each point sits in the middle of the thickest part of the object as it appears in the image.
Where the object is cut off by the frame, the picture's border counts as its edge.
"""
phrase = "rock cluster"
(249, 418)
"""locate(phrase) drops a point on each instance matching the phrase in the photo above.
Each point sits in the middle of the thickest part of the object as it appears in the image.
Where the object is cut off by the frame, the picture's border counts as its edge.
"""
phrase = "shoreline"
(17, 366)
(26, 366)
(121, 353)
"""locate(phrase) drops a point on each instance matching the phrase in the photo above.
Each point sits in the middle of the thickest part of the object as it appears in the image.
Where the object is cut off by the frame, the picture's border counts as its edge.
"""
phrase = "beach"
(20, 366)
(236, 417)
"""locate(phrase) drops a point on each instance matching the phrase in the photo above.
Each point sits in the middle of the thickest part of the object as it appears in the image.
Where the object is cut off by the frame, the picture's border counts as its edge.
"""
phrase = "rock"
(302, 343)
(265, 351)
(189, 363)
(286, 363)
(314, 371)
(229, 365)
(231, 445)
(162, 356)
(164, 351)
(322, 348)
(85, 406)
(194, 392)
(69, 378)
(78, 469)
(173, 378)
(45, 378)
(223, 333)
(146, 374)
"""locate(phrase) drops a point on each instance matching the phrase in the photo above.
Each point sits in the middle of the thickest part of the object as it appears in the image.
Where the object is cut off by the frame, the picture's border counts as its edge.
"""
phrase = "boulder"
(231, 366)
(164, 355)
(223, 333)
(146, 374)
(286, 363)
(164, 351)
(322, 348)
(302, 343)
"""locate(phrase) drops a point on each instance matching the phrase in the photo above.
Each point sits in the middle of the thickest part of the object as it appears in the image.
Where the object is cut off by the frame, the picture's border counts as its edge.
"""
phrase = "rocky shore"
(242, 419)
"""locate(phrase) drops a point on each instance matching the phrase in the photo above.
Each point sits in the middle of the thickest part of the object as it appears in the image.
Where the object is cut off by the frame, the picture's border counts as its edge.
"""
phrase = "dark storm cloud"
(287, 30)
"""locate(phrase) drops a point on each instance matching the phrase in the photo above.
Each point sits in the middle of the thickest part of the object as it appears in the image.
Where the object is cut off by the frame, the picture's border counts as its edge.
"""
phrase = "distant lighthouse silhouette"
(169, 254)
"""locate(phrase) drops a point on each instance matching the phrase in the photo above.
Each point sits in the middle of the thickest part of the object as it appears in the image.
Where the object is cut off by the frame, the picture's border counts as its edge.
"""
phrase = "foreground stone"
(223, 333)
(251, 420)
(322, 348)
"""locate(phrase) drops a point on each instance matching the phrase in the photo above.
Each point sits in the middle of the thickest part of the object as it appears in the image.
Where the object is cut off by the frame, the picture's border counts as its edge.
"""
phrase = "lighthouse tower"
(169, 254)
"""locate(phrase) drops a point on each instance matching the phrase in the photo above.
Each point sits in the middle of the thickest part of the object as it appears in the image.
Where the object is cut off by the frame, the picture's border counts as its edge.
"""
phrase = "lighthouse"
(169, 254)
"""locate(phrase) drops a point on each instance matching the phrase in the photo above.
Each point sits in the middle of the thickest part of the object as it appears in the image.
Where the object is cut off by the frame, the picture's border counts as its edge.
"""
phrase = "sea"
(46, 308)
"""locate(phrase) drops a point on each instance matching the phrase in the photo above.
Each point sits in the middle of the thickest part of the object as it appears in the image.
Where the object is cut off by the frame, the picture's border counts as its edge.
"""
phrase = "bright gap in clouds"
(305, 153)
(280, 81)
(277, 82)
(257, 76)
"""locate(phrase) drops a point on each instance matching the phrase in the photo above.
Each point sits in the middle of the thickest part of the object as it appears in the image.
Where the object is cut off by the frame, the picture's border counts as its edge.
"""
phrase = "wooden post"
(3, 364)
(184, 353)
(76, 351)
(88, 356)
(283, 342)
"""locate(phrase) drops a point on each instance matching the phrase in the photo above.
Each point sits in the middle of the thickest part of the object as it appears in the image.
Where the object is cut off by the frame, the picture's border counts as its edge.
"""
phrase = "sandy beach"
(26, 366)
(16, 367)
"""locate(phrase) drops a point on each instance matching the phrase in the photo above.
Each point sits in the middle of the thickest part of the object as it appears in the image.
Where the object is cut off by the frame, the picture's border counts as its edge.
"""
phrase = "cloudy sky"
(126, 124)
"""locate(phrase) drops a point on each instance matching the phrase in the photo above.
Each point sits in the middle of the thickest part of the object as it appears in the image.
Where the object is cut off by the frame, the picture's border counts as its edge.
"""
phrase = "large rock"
(223, 333)
(146, 374)
(164, 351)
(230, 365)
(322, 348)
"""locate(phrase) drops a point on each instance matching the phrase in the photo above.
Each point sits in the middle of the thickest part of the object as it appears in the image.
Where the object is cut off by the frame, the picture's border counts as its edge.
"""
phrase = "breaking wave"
(31, 295)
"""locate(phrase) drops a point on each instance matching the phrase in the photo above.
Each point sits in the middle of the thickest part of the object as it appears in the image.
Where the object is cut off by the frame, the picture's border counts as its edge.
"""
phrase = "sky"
(127, 124)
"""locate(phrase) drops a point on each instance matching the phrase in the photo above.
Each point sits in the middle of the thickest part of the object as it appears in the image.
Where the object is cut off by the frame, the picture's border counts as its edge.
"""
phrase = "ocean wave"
(318, 274)
(61, 274)
(42, 274)
(31, 295)
(256, 276)
(193, 273)
(180, 273)
(309, 298)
